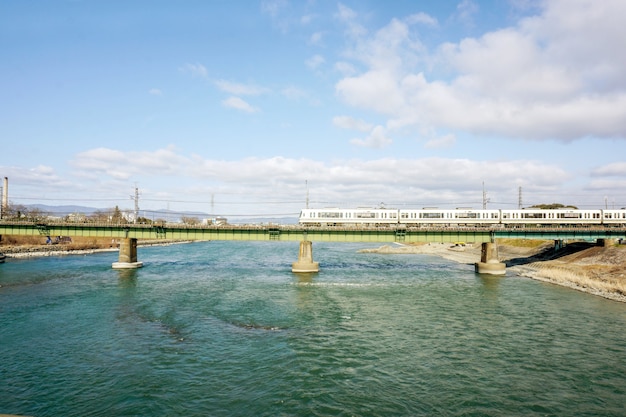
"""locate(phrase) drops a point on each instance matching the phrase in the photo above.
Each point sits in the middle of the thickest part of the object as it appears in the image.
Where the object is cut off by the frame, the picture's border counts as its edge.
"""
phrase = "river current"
(226, 329)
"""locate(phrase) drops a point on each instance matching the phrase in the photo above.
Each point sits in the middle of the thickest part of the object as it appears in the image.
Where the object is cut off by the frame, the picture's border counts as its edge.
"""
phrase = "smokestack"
(5, 198)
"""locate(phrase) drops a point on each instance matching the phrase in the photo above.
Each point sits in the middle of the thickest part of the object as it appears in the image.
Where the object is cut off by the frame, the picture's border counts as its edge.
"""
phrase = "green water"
(225, 329)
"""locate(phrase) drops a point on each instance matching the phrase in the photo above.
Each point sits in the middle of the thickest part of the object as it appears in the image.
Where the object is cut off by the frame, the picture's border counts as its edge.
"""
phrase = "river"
(226, 329)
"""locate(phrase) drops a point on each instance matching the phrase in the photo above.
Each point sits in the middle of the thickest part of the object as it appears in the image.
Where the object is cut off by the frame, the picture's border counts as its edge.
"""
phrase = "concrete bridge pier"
(128, 255)
(305, 259)
(605, 243)
(489, 263)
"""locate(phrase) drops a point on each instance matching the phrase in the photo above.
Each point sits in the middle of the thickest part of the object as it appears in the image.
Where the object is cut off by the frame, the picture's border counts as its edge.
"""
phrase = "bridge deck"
(299, 233)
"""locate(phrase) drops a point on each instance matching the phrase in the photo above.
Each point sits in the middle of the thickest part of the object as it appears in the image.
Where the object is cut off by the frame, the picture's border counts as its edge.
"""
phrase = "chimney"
(5, 198)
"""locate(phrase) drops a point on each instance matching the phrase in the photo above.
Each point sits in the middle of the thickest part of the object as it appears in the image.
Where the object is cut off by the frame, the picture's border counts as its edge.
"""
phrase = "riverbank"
(31, 251)
(600, 271)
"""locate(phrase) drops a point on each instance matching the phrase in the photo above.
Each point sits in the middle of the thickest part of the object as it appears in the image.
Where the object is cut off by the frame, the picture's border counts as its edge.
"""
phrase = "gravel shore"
(587, 268)
(32, 251)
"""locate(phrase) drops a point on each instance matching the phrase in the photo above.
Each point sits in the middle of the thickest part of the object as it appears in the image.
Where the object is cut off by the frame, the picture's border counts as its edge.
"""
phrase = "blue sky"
(238, 107)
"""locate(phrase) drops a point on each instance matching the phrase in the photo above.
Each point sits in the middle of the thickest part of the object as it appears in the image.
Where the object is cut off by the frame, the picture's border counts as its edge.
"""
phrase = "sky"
(238, 108)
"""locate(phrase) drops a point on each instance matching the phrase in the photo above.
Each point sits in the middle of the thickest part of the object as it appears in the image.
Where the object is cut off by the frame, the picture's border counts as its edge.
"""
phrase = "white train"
(429, 217)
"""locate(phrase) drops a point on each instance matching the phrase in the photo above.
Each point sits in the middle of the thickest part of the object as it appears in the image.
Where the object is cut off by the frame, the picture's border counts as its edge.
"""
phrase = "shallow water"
(225, 328)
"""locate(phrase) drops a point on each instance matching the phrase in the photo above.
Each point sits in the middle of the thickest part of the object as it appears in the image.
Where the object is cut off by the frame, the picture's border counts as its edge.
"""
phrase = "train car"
(551, 217)
(452, 217)
(359, 216)
(614, 217)
(435, 217)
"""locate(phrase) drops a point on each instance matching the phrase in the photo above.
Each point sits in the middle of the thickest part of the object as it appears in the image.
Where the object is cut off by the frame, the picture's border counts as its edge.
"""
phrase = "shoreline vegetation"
(585, 267)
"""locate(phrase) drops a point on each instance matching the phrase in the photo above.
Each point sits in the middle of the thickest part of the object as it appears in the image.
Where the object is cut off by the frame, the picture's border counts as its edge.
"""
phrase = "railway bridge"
(128, 234)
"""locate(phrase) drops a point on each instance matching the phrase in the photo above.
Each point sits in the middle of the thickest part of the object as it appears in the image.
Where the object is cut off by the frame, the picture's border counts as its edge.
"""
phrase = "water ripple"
(225, 328)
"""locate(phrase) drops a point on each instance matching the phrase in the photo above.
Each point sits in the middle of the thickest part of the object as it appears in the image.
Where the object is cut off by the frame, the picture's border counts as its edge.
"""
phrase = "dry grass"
(522, 243)
(21, 240)
(597, 278)
(77, 243)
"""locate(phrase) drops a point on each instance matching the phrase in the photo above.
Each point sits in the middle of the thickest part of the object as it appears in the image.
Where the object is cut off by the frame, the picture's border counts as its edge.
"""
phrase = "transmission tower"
(519, 198)
(306, 184)
(136, 198)
(485, 199)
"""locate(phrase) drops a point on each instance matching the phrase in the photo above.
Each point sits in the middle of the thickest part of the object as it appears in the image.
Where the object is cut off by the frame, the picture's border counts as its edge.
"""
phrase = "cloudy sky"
(241, 107)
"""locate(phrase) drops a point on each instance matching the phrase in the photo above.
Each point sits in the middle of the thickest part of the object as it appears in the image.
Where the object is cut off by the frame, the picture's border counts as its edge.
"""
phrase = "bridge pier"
(605, 243)
(558, 244)
(489, 263)
(305, 261)
(128, 255)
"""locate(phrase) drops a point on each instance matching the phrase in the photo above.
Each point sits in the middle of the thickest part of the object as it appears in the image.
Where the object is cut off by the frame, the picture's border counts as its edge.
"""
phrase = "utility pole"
(4, 206)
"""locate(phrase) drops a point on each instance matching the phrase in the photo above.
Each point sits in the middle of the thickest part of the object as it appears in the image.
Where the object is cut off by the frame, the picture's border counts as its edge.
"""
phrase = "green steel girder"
(562, 234)
(298, 233)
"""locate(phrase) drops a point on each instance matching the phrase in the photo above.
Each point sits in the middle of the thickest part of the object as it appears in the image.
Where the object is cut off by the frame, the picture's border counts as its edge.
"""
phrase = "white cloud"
(375, 90)
(273, 7)
(558, 75)
(121, 165)
(465, 12)
(316, 38)
(422, 18)
(345, 68)
(155, 92)
(345, 13)
(239, 104)
(43, 177)
(240, 89)
(196, 70)
(445, 141)
(615, 169)
(166, 174)
(307, 19)
(315, 61)
(348, 16)
(294, 93)
(376, 139)
(347, 122)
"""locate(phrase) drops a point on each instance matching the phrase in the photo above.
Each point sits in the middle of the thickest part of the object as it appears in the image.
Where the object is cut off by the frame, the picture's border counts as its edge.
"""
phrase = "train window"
(331, 214)
(466, 215)
(431, 215)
